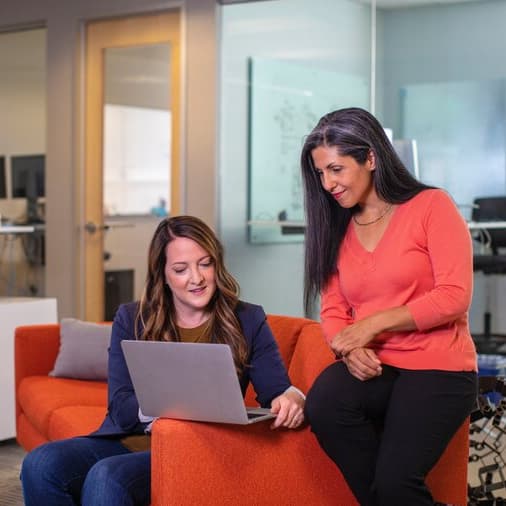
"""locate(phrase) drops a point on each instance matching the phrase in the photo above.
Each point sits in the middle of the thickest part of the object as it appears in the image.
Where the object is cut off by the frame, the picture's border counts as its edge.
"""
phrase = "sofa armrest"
(199, 463)
(448, 478)
(35, 350)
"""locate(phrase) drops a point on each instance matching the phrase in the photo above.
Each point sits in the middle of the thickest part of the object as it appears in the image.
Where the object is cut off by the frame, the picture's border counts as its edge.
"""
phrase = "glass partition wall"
(284, 63)
(22, 162)
(442, 84)
(434, 81)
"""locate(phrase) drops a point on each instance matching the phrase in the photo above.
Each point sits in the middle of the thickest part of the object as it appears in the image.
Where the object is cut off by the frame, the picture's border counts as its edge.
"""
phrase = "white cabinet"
(14, 312)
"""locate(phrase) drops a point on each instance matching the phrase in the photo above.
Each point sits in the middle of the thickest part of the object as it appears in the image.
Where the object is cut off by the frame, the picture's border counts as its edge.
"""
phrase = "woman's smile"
(198, 291)
(338, 195)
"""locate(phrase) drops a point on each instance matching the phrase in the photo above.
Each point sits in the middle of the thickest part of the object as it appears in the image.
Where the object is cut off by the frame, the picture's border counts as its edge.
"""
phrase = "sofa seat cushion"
(27, 435)
(40, 396)
(71, 421)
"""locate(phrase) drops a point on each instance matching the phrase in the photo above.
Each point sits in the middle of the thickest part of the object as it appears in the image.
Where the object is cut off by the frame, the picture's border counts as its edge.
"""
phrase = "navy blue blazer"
(267, 372)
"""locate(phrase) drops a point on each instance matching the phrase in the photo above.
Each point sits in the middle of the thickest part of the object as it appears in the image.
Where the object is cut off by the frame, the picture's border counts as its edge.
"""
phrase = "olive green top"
(200, 334)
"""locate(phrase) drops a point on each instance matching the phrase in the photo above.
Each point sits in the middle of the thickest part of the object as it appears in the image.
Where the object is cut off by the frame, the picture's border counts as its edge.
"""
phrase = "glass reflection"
(137, 130)
(22, 162)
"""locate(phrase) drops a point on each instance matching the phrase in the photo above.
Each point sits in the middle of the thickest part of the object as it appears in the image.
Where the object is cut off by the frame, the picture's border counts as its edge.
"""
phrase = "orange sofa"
(49, 408)
(216, 464)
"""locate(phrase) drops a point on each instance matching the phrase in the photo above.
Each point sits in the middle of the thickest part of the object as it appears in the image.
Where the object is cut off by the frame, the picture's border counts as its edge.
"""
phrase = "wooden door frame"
(143, 29)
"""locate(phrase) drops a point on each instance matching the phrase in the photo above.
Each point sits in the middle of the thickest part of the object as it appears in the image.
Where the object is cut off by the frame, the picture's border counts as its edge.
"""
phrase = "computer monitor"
(407, 151)
(27, 180)
(3, 189)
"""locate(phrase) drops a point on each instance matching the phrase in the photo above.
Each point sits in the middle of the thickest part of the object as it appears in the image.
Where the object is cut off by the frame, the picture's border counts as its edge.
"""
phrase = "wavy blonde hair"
(156, 316)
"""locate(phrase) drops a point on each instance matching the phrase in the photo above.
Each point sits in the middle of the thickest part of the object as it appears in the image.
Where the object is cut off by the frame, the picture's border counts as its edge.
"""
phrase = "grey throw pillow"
(83, 350)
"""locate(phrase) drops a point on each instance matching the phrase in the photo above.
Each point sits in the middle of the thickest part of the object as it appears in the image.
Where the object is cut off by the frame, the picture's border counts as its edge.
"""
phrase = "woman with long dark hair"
(392, 261)
(189, 296)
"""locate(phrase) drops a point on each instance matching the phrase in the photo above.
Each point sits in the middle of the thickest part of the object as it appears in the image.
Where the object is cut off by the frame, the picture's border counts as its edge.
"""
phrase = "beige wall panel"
(201, 139)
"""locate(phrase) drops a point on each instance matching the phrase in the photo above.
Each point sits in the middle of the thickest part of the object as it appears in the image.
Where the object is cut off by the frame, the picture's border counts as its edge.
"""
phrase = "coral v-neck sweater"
(423, 261)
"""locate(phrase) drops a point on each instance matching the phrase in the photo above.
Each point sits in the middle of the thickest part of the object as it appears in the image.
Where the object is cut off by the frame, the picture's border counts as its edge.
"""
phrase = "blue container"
(492, 365)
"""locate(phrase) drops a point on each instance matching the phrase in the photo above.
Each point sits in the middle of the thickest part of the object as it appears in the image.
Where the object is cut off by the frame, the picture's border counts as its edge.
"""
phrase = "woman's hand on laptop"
(289, 409)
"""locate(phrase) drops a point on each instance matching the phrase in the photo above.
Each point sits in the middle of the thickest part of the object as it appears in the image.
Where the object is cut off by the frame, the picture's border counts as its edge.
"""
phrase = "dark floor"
(11, 455)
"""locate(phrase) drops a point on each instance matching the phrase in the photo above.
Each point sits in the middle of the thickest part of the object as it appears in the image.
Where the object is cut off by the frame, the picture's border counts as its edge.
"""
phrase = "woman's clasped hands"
(350, 344)
(363, 363)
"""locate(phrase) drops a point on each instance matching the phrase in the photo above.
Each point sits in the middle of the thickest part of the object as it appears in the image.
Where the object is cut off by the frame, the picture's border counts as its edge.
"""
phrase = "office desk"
(473, 225)
(16, 311)
(16, 229)
(490, 265)
(11, 233)
(484, 225)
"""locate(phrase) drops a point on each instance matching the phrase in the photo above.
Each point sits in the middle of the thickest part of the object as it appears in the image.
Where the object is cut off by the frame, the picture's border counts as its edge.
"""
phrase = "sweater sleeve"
(335, 312)
(450, 249)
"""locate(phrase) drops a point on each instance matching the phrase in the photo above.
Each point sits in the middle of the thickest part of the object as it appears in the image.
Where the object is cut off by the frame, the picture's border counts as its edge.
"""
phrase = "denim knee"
(102, 487)
(102, 471)
(38, 463)
(41, 476)
(118, 480)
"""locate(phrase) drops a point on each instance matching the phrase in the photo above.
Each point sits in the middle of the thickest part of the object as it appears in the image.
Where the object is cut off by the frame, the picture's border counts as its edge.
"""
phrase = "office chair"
(489, 209)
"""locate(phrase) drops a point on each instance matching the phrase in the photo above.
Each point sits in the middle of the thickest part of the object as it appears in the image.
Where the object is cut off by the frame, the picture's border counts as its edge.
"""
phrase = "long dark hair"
(354, 132)
(156, 317)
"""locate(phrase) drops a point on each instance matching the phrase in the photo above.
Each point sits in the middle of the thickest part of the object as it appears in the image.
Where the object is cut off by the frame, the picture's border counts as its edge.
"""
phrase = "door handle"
(91, 227)
(118, 224)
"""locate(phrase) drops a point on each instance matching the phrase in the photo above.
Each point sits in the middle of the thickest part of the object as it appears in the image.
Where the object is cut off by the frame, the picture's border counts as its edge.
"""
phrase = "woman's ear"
(371, 160)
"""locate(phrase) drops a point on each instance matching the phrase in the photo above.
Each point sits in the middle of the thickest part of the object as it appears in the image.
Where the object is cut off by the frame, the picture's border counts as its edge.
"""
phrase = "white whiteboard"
(286, 102)
(460, 129)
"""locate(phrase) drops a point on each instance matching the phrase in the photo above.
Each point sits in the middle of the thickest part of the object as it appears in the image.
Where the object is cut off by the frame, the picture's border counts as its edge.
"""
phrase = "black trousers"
(385, 434)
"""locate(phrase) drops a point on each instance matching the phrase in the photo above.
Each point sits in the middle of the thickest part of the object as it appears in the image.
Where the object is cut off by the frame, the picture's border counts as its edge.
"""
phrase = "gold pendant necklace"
(385, 212)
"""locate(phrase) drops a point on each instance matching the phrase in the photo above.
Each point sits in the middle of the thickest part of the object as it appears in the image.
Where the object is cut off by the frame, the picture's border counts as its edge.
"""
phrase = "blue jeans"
(88, 471)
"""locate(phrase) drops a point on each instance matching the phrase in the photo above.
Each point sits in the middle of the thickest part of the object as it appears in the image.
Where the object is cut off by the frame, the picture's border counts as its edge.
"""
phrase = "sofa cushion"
(83, 350)
(286, 330)
(39, 396)
(312, 354)
(71, 421)
(27, 435)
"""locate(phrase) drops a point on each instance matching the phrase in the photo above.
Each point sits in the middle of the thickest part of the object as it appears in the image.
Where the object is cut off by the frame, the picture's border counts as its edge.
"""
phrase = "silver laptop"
(189, 381)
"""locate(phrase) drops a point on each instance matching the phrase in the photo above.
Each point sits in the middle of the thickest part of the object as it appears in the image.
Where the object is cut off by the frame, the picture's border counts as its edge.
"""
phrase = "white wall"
(320, 33)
